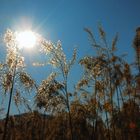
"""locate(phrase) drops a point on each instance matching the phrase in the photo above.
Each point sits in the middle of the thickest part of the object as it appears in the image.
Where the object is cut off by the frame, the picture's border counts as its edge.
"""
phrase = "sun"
(26, 39)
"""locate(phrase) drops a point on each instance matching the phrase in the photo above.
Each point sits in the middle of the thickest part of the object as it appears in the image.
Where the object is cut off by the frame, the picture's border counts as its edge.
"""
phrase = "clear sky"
(65, 19)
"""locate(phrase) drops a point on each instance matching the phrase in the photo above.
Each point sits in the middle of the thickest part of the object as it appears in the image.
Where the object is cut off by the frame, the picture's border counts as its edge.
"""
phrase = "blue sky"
(65, 19)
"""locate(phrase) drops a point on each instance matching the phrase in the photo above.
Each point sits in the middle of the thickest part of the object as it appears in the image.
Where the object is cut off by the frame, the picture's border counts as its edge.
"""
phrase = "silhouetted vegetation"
(105, 103)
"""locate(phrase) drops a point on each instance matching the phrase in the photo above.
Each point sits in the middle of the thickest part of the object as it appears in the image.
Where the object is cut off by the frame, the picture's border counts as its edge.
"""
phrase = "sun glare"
(26, 39)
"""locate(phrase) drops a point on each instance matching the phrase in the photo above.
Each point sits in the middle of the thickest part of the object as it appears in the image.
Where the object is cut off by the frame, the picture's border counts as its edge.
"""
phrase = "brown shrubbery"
(104, 103)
